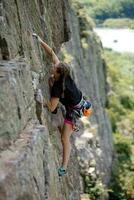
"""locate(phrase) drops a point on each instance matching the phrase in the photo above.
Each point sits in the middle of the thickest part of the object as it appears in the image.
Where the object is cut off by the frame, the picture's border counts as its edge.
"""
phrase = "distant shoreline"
(120, 40)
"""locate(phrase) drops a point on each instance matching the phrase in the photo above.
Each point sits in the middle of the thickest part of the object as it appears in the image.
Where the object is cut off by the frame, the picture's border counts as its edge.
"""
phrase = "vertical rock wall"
(30, 153)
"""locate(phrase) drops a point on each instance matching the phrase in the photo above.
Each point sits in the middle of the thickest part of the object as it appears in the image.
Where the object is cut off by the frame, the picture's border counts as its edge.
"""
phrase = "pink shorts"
(66, 121)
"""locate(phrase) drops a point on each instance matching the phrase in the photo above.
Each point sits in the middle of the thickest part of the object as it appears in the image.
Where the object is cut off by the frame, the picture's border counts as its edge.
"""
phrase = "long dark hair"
(64, 70)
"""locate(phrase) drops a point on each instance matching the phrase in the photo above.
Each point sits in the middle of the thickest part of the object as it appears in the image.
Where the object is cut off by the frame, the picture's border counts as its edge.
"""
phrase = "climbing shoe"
(61, 171)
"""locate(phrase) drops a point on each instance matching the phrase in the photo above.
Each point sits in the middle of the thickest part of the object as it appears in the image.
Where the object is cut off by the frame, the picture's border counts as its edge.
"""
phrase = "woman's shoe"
(61, 171)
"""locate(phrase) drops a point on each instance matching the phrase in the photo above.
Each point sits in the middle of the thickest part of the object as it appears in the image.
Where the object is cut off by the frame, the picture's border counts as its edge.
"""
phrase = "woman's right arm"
(48, 50)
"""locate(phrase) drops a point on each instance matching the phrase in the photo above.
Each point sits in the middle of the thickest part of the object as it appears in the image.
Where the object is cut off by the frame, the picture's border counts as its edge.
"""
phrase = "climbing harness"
(83, 108)
(87, 108)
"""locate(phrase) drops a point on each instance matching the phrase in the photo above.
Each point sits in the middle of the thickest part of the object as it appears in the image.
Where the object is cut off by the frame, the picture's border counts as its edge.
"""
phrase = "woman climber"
(64, 90)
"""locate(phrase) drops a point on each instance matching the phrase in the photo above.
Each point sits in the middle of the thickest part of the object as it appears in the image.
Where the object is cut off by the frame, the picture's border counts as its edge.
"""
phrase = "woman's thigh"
(67, 130)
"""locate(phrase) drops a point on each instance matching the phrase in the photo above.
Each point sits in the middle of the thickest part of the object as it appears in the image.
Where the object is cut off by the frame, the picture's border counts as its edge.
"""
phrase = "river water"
(120, 40)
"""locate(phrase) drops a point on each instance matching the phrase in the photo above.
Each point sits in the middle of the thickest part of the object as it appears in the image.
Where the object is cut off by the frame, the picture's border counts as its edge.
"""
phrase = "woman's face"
(54, 74)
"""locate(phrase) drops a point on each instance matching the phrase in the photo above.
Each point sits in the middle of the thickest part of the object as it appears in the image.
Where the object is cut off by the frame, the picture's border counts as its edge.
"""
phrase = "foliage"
(85, 20)
(66, 57)
(122, 181)
(120, 71)
(121, 86)
(105, 9)
(126, 126)
(119, 23)
(94, 188)
(123, 147)
(127, 101)
(127, 8)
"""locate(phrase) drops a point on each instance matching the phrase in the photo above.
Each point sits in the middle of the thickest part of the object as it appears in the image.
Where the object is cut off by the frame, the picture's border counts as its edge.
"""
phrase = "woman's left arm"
(52, 103)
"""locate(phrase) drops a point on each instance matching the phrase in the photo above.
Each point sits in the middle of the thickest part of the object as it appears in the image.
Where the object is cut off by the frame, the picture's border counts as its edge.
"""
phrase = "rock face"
(30, 153)
(16, 97)
(28, 169)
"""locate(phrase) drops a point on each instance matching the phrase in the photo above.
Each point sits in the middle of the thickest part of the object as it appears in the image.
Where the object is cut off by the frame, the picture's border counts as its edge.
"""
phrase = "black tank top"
(72, 95)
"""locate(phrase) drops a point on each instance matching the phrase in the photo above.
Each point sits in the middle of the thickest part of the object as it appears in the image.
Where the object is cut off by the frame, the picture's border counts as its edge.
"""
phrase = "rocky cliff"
(30, 153)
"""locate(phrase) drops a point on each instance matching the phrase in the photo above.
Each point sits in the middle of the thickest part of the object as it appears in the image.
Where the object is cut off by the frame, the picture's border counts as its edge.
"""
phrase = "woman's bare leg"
(65, 138)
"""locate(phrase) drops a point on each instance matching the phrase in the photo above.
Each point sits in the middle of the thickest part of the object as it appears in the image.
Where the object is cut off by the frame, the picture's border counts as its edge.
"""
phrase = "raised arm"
(48, 50)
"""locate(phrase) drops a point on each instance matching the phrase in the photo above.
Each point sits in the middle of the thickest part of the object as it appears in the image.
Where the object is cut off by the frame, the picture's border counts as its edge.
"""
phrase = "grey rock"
(30, 153)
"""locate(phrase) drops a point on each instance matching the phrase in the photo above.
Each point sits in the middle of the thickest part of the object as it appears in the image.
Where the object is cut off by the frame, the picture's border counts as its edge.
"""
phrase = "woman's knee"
(65, 138)
(66, 133)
